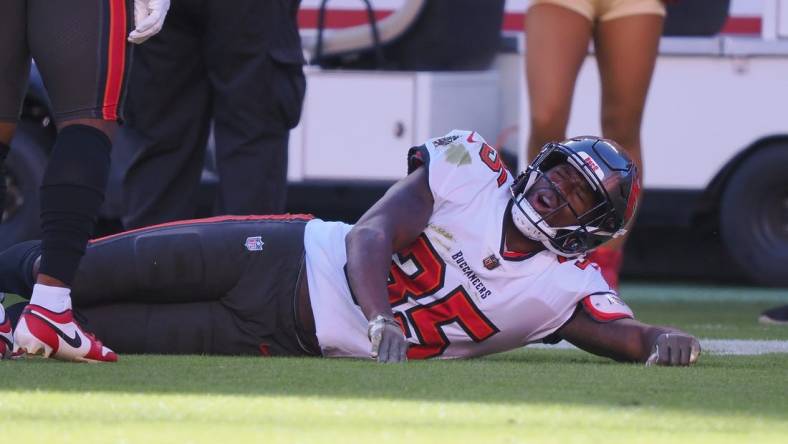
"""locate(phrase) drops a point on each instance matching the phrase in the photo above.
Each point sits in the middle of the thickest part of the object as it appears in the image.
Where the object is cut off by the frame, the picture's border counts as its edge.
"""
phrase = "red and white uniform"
(456, 291)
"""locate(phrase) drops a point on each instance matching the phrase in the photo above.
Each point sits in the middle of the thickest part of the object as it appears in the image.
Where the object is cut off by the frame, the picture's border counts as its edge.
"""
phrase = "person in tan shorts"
(626, 37)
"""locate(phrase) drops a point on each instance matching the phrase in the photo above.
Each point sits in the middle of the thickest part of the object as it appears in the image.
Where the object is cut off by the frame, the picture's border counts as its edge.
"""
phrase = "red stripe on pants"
(208, 220)
(116, 58)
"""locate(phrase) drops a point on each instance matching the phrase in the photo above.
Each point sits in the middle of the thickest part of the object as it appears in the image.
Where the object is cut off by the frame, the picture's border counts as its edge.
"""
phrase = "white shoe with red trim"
(6, 335)
(57, 335)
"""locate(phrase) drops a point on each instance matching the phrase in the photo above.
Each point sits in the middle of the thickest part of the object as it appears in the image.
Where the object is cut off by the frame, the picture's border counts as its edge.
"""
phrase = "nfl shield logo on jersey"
(491, 262)
(254, 243)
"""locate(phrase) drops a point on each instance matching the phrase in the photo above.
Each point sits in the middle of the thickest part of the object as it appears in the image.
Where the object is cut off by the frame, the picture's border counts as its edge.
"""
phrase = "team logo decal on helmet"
(611, 176)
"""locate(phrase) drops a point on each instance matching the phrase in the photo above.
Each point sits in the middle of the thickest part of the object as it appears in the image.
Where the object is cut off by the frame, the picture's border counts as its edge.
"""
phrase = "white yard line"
(711, 346)
(743, 346)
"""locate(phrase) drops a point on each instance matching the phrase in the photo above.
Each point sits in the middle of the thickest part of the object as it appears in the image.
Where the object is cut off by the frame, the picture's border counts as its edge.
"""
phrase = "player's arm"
(631, 341)
(394, 222)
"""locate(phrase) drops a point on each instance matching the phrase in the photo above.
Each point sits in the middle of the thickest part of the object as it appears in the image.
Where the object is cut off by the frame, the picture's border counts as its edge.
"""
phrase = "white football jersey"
(456, 291)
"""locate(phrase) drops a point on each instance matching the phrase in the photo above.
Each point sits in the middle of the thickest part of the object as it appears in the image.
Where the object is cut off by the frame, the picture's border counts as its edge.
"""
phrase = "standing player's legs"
(169, 107)
(14, 71)
(81, 50)
(557, 45)
(255, 67)
(626, 51)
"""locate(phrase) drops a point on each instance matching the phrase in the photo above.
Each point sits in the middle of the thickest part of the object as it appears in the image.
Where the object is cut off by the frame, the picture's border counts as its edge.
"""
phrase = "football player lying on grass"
(457, 260)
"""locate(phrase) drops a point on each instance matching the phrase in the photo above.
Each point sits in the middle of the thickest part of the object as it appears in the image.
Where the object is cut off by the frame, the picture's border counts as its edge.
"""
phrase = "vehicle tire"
(696, 17)
(754, 215)
(24, 169)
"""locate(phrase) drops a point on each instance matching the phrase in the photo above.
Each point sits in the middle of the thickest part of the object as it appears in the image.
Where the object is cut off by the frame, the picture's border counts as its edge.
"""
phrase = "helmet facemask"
(590, 229)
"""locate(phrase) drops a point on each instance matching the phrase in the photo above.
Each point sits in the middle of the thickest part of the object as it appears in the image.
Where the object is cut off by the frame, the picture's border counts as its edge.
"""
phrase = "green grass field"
(531, 395)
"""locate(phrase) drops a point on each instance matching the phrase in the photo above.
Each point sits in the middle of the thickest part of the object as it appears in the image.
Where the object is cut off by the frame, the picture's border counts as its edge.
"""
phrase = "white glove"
(148, 19)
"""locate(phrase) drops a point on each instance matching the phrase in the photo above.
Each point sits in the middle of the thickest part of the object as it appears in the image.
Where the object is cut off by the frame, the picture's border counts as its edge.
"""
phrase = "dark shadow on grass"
(749, 385)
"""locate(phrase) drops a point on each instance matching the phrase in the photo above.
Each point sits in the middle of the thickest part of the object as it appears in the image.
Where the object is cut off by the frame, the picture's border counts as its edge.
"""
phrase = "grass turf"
(522, 396)
(541, 395)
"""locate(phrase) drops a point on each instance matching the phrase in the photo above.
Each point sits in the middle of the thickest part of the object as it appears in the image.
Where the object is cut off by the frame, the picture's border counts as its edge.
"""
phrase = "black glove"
(674, 349)
(388, 342)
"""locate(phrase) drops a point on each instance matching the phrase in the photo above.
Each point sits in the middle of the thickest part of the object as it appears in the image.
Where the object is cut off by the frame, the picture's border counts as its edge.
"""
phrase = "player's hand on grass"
(674, 348)
(388, 342)
(148, 19)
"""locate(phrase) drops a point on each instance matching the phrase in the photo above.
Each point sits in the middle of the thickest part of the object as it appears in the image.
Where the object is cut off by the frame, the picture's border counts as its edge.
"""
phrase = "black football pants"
(212, 286)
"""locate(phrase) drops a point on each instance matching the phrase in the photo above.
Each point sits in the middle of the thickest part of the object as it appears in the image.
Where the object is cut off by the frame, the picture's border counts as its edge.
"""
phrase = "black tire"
(754, 215)
(24, 168)
(696, 17)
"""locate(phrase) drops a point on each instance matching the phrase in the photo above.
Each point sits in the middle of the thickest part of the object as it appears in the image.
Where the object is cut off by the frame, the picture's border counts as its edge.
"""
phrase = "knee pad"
(80, 159)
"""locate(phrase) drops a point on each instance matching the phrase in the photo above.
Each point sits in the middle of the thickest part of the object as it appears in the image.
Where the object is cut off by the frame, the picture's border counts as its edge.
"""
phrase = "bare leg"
(626, 53)
(558, 41)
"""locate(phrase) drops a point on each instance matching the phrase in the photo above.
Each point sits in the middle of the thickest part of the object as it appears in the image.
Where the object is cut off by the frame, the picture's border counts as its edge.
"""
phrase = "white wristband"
(379, 322)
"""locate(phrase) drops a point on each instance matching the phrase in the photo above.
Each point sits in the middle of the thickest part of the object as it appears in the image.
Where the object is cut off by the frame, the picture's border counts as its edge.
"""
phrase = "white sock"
(57, 299)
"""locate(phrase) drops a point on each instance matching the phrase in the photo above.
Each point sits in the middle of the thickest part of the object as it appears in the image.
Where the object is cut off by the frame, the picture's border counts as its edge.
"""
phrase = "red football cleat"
(58, 336)
(609, 261)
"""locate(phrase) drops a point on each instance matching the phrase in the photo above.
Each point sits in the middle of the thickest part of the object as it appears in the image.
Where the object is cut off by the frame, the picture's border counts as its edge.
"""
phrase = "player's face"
(561, 195)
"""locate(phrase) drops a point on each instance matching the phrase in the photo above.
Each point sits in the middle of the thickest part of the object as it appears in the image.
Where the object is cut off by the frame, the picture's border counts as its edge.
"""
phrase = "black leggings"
(211, 286)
